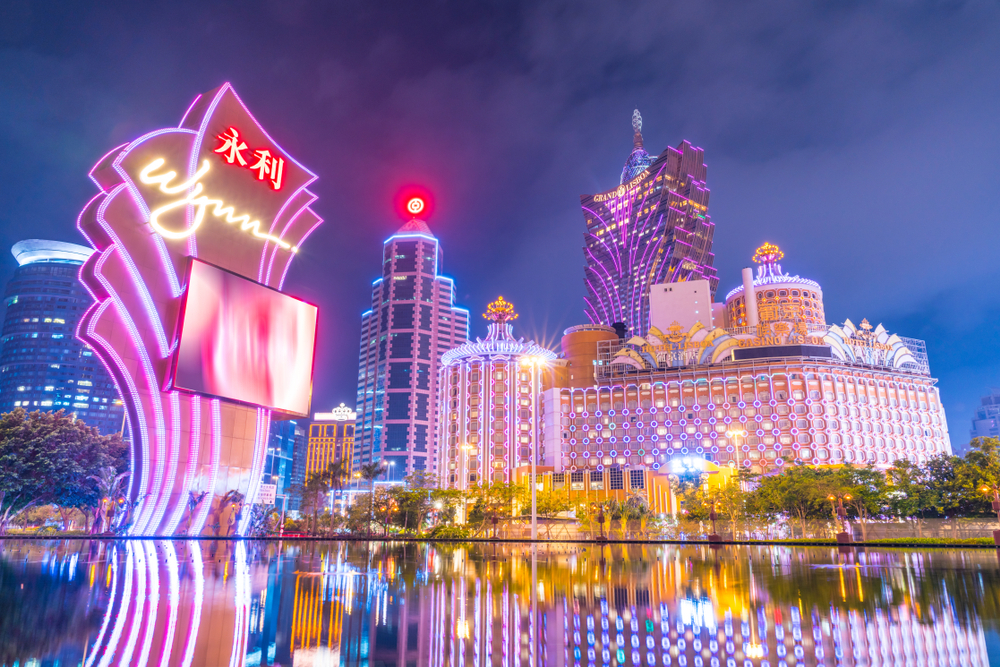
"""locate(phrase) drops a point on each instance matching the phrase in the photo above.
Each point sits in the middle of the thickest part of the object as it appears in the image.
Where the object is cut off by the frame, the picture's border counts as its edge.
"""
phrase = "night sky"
(861, 137)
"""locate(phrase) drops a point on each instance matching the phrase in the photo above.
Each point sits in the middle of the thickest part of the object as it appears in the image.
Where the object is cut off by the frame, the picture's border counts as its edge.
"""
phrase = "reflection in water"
(206, 603)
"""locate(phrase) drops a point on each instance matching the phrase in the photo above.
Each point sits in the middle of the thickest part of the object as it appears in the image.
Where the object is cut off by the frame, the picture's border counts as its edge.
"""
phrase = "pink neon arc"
(180, 445)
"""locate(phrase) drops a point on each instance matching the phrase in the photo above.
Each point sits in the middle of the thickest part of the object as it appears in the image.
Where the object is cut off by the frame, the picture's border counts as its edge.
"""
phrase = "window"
(637, 479)
(617, 479)
(597, 480)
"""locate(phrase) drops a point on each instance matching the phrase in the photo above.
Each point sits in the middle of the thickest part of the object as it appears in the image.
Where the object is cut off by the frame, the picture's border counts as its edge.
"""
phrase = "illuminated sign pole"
(217, 189)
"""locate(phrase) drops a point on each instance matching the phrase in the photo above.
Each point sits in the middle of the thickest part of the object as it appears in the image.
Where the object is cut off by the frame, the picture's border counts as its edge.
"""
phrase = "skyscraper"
(653, 228)
(43, 366)
(412, 322)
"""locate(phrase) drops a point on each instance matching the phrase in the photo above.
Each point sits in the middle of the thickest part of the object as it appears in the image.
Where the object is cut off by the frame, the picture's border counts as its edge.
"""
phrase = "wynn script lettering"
(193, 197)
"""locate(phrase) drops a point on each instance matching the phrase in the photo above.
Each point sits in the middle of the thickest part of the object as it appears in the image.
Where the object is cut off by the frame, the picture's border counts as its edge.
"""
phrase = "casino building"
(760, 389)
(43, 366)
(412, 322)
(487, 405)
(653, 228)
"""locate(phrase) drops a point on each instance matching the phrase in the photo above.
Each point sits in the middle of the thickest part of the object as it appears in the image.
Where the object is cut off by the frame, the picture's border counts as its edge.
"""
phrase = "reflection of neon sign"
(199, 201)
(415, 205)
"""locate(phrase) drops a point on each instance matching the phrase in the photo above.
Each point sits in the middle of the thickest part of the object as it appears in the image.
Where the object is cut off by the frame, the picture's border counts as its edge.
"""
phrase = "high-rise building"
(487, 404)
(279, 466)
(412, 322)
(986, 422)
(43, 366)
(331, 439)
(652, 228)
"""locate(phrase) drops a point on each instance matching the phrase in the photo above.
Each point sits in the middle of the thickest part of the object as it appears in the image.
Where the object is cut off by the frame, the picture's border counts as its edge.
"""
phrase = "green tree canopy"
(49, 457)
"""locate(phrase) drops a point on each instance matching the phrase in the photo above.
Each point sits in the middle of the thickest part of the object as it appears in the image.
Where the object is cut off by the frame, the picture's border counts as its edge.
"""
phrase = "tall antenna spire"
(637, 128)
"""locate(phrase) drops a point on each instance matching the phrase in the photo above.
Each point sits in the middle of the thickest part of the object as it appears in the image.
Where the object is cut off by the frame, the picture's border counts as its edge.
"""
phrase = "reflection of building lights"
(462, 629)
(754, 651)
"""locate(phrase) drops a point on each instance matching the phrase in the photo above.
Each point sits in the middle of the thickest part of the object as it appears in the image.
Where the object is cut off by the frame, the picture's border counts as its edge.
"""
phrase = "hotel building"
(412, 322)
(331, 439)
(43, 365)
(487, 405)
(781, 387)
(653, 228)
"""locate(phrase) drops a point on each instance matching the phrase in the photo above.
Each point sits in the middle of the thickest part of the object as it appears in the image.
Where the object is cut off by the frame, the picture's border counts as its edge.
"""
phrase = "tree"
(548, 504)
(48, 457)
(911, 493)
(798, 491)
(336, 474)
(868, 490)
(110, 488)
(730, 500)
(370, 472)
(312, 497)
(493, 502)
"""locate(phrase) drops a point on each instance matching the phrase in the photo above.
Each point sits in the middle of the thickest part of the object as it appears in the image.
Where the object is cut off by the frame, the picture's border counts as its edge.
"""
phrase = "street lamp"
(841, 513)
(986, 490)
(536, 363)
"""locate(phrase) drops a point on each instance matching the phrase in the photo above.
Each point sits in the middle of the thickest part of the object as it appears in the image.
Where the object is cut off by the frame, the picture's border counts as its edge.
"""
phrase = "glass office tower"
(43, 366)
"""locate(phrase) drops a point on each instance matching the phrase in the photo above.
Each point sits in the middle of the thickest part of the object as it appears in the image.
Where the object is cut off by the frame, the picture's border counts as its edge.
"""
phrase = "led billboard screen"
(245, 342)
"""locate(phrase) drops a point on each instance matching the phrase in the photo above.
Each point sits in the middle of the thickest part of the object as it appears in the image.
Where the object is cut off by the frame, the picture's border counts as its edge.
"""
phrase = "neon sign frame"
(180, 442)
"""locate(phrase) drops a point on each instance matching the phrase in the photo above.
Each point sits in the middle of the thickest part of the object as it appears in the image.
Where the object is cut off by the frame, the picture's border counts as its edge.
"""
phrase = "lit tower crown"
(768, 256)
(500, 313)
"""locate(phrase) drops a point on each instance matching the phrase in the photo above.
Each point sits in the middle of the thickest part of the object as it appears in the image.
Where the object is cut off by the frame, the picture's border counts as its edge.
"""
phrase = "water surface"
(204, 603)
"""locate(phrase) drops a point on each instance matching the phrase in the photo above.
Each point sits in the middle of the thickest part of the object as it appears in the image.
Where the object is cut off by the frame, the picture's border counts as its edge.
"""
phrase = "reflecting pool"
(99, 603)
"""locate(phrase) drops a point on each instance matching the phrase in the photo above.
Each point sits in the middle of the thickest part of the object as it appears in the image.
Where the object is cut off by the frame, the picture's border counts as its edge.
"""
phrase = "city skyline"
(835, 156)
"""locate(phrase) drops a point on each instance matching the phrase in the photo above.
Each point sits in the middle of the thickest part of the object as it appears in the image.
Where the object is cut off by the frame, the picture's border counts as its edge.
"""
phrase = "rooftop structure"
(652, 228)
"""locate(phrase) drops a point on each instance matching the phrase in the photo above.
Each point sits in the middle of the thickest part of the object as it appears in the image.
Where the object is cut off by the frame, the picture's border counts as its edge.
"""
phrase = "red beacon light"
(413, 201)
(415, 206)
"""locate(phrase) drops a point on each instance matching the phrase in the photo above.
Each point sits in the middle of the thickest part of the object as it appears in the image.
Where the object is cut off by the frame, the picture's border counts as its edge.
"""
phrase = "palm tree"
(371, 472)
(336, 474)
(109, 486)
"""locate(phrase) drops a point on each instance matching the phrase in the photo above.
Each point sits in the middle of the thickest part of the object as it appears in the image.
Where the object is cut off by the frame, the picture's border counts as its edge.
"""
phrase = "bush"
(449, 533)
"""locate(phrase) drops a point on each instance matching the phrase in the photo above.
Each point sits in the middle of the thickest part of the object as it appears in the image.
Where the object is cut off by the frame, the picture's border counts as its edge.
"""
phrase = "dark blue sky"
(861, 137)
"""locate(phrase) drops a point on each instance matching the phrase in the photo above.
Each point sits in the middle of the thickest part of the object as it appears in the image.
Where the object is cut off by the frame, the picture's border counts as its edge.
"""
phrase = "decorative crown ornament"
(500, 311)
(768, 254)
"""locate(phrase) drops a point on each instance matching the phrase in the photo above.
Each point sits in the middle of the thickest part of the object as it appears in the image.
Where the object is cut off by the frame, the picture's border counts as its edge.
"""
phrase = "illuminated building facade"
(652, 228)
(779, 296)
(789, 390)
(43, 365)
(331, 439)
(486, 405)
(412, 322)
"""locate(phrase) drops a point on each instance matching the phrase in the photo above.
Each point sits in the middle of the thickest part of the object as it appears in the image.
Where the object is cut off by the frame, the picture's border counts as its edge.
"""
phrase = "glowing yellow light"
(768, 254)
(500, 311)
(198, 200)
